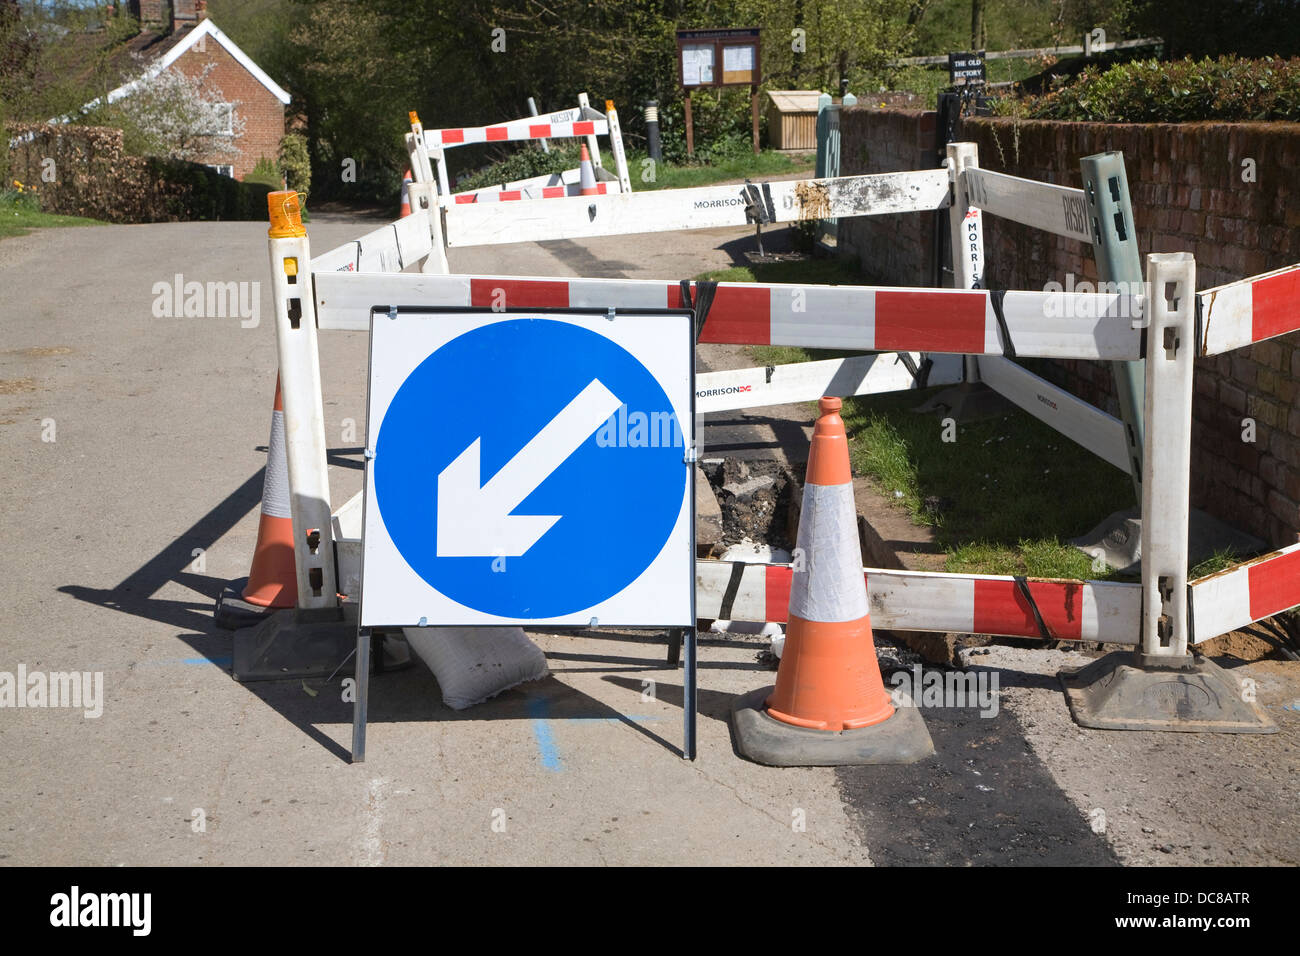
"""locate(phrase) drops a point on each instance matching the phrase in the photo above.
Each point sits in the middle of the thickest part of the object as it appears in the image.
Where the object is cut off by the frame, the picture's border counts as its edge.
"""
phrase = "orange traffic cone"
(829, 705)
(406, 194)
(272, 579)
(586, 174)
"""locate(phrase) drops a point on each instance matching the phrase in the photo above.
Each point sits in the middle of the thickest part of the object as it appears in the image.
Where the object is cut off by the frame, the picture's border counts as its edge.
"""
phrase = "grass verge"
(766, 163)
(19, 214)
(1002, 496)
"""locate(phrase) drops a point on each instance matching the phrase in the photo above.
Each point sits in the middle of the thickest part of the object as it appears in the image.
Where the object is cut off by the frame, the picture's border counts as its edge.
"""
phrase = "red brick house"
(176, 34)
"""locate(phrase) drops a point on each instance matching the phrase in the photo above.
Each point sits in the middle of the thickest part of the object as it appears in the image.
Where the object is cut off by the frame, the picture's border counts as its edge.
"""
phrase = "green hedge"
(189, 191)
(1182, 91)
(95, 178)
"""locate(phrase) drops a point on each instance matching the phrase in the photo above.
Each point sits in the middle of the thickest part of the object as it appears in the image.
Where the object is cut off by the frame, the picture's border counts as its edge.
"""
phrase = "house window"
(225, 169)
(226, 117)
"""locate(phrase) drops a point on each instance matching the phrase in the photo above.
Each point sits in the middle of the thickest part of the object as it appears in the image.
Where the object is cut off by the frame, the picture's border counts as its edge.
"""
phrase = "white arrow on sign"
(475, 521)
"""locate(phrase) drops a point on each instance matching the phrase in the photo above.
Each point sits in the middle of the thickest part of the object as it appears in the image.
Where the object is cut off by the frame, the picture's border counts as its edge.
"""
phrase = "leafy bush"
(4, 149)
(24, 199)
(1149, 91)
(722, 127)
(295, 163)
(522, 164)
(266, 173)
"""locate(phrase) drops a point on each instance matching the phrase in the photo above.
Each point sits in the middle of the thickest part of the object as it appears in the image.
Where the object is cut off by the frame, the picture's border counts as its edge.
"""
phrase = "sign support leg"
(361, 703)
(674, 648)
(689, 694)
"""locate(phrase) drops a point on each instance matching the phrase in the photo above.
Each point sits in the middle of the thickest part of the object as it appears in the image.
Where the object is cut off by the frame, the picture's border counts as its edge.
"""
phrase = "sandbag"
(474, 664)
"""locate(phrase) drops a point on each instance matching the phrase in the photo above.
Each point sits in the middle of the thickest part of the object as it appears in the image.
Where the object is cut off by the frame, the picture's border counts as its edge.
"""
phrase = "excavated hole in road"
(760, 502)
(760, 507)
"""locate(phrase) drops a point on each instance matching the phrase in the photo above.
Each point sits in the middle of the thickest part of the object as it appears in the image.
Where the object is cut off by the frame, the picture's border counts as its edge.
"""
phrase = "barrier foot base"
(902, 738)
(1121, 691)
(233, 612)
(299, 643)
(1117, 540)
(967, 402)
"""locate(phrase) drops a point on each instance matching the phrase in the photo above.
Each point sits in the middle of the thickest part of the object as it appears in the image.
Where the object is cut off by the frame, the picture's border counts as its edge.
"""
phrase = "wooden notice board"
(718, 57)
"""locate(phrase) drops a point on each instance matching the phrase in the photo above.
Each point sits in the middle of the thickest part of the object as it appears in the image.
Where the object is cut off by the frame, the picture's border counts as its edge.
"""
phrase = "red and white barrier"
(1249, 592)
(428, 148)
(514, 195)
(515, 130)
(966, 321)
(1251, 310)
(947, 603)
(745, 313)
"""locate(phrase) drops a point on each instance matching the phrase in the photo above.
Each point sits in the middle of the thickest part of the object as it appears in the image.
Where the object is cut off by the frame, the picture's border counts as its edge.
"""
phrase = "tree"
(56, 56)
(1245, 27)
(175, 114)
(851, 39)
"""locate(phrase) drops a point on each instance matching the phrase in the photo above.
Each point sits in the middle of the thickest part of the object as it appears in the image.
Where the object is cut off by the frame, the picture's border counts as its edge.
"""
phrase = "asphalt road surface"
(134, 444)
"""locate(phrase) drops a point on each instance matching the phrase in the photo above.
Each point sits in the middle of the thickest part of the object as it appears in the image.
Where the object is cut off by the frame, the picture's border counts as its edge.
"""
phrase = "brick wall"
(262, 113)
(894, 250)
(1188, 195)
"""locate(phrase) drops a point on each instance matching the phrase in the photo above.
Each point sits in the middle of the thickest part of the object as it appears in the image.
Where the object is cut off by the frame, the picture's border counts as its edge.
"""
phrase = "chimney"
(150, 13)
(183, 14)
(201, 9)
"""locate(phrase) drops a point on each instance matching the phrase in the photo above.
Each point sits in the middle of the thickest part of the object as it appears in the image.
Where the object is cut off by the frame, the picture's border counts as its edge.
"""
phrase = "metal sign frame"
(683, 637)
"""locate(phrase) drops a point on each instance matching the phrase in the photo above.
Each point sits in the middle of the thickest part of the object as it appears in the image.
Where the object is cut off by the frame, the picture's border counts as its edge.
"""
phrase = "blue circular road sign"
(530, 468)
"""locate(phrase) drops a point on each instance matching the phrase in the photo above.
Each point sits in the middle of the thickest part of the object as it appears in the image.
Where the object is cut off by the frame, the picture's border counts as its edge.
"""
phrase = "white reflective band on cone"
(275, 483)
(831, 587)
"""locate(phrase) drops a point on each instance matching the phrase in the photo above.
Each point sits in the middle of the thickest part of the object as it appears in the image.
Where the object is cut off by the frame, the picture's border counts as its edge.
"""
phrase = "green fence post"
(1115, 248)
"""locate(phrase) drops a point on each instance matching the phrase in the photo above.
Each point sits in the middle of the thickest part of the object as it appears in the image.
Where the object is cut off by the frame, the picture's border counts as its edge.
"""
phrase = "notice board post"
(715, 58)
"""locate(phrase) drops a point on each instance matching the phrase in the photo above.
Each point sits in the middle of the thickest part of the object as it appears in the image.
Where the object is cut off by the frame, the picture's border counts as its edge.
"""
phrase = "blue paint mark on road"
(549, 754)
(221, 660)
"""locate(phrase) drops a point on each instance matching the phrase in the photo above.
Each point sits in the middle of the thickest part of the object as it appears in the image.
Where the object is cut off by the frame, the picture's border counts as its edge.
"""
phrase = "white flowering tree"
(178, 115)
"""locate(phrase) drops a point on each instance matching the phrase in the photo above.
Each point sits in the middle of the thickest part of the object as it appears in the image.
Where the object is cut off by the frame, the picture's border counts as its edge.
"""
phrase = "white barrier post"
(304, 415)
(1162, 686)
(313, 637)
(965, 221)
(1166, 484)
(966, 231)
(424, 196)
(616, 146)
(593, 144)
